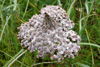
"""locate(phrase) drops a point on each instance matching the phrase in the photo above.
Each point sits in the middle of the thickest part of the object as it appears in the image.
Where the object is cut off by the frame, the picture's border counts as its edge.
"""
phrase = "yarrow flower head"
(50, 33)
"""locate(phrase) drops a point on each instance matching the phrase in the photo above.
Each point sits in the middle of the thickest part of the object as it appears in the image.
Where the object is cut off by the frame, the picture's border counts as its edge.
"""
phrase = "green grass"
(84, 13)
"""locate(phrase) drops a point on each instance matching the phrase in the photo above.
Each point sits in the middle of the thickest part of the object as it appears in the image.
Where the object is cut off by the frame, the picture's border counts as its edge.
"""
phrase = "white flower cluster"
(59, 42)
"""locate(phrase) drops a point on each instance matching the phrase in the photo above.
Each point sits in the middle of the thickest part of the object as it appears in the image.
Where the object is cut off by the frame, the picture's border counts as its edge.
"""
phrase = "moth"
(48, 21)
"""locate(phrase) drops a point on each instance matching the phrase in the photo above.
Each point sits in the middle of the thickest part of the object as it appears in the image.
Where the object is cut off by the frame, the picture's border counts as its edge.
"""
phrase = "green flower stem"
(59, 3)
(95, 45)
(6, 65)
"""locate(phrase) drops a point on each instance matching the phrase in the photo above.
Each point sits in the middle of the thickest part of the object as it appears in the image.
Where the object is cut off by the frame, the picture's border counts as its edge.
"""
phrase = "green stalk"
(6, 65)
(95, 45)
(59, 3)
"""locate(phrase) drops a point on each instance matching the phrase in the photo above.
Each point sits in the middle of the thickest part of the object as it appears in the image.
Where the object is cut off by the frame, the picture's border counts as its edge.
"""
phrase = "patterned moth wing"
(48, 21)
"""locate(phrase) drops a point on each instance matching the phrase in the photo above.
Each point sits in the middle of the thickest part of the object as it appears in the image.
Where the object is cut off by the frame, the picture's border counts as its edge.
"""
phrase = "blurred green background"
(84, 13)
